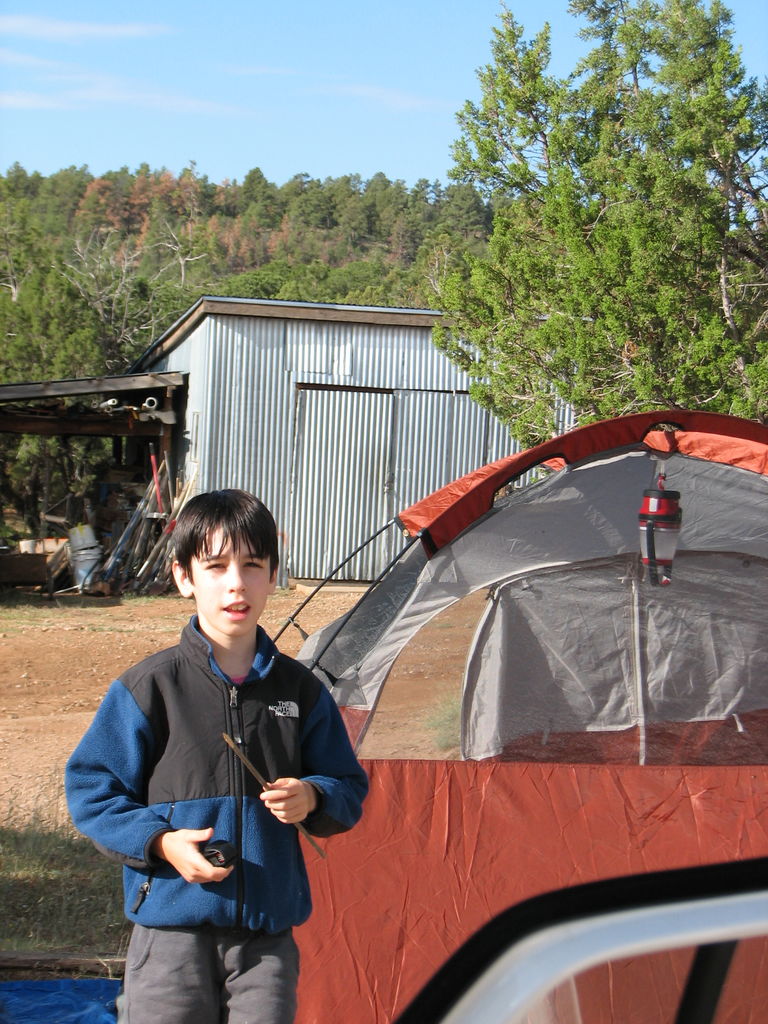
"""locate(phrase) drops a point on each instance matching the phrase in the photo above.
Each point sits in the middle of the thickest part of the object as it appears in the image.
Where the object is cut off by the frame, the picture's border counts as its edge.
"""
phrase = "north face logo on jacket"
(285, 709)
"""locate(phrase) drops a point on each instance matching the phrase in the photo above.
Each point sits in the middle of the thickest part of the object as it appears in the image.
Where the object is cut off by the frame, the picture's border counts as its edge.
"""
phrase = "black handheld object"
(220, 853)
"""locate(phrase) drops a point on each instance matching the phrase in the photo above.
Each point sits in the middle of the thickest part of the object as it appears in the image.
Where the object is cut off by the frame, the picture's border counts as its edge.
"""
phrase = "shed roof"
(208, 305)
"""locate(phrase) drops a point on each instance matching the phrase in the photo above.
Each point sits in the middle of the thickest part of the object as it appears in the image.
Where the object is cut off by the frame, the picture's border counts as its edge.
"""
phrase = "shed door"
(341, 482)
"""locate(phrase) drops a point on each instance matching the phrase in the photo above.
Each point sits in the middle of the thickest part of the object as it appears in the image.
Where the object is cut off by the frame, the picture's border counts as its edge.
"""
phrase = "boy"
(153, 781)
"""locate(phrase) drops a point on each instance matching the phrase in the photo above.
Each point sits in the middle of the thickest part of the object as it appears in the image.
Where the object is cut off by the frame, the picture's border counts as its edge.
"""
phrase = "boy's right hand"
(182, 850)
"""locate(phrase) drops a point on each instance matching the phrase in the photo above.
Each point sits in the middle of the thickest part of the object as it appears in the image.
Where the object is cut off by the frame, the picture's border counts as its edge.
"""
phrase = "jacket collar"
(199, 645)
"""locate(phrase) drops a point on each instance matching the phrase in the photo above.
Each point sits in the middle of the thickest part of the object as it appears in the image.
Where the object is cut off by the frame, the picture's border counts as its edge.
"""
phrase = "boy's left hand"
(290, 800)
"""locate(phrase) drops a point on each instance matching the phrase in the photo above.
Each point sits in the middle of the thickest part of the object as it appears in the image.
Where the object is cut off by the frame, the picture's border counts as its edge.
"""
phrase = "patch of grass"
(18, 607)
(15, 597)
(58, 893)
(21, 610)
(97, 627)
(445, 724)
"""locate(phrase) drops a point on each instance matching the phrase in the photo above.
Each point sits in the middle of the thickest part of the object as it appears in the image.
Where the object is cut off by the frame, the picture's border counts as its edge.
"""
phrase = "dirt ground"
(57, 658)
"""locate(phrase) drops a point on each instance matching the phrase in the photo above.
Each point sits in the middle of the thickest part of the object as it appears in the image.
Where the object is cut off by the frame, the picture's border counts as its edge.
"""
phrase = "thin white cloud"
(12, 59)
(34, 27)
(60, 85)
(32, 101)
(392, 99)
(101, 94)
(98, 94)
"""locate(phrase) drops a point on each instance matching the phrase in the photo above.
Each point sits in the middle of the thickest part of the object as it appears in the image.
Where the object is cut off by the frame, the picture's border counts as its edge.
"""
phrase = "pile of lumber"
(140, 560)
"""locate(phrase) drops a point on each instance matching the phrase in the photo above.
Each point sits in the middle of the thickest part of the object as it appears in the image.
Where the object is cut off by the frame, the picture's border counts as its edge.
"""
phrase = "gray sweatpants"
(209, 976)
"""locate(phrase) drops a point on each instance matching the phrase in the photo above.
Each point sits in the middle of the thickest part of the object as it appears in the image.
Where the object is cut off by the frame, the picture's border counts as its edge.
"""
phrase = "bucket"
(27, 547)
(82, 536)
(85, 553)
(84, 562)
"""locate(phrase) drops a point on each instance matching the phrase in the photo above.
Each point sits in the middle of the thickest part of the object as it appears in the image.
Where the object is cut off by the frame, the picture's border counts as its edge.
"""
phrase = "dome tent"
(577, 657)
(578, 670)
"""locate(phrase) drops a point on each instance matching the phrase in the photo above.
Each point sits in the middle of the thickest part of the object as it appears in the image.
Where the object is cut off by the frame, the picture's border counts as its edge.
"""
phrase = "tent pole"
(345, 618)
(639, 669)
(291, 618)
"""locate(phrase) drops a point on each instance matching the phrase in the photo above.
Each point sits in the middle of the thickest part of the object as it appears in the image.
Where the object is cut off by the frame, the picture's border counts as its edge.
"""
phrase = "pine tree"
(628, 264)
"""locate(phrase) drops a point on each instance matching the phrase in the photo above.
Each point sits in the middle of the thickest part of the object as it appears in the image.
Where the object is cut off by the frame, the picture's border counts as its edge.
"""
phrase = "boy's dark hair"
(240, 518)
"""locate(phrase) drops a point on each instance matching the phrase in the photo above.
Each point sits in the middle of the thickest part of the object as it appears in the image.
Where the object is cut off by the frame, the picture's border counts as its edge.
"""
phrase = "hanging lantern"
(660, 516)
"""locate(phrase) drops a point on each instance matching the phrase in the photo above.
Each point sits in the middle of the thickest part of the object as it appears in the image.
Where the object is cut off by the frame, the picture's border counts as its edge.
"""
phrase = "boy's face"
(230, 590)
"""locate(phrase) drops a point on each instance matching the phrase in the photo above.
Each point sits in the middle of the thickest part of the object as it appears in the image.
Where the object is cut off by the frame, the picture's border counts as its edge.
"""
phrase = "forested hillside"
(93, 268)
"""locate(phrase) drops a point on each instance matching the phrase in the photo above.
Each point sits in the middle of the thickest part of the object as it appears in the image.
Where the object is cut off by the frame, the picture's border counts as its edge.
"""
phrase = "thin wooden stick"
(266, 785)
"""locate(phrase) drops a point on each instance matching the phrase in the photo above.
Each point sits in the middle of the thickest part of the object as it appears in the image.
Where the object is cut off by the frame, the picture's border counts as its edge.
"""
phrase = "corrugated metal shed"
(336, 416)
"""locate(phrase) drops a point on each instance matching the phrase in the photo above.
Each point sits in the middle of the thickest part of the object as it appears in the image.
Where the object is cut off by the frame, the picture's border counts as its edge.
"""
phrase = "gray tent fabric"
(593, 649)
(574, 640)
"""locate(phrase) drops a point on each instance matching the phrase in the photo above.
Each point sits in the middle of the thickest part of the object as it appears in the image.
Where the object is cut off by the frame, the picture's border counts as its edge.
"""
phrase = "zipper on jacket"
(236, 718)
(141, 895)
(146, 885)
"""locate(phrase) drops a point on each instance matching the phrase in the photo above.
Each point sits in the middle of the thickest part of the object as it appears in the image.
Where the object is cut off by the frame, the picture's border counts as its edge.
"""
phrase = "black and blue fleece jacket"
(154, 759)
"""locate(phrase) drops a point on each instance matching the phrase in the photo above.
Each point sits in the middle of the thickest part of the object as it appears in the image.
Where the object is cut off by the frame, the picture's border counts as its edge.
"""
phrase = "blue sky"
(304, 87)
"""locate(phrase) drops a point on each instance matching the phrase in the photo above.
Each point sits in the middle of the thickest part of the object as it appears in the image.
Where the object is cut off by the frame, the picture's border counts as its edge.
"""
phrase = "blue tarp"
(61, 1001)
